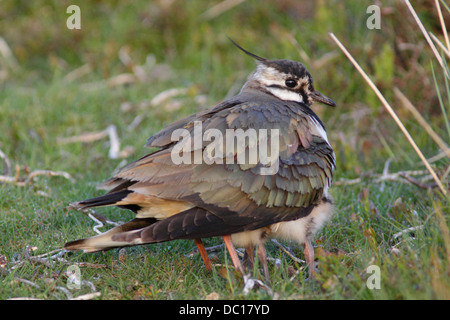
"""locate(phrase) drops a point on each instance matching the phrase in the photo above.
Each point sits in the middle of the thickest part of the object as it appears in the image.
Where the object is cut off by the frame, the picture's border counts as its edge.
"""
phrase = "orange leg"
(249, 257)
(262, 256)
(233, 254)
(309, 257)
(201, 249)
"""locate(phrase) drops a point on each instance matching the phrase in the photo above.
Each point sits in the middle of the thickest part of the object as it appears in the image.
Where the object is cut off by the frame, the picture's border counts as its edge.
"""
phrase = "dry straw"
(391, 112)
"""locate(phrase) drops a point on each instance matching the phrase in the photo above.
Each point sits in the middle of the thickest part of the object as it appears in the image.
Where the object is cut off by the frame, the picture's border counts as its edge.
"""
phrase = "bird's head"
(285, 79)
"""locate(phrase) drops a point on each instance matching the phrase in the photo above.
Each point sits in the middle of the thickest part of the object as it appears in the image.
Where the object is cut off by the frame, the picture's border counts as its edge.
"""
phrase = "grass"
(177, 48)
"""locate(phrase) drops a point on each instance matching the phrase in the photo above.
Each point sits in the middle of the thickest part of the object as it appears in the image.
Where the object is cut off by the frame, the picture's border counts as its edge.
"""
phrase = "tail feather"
(193, 223)
(104, 241)
(108, 199)
(190, 224)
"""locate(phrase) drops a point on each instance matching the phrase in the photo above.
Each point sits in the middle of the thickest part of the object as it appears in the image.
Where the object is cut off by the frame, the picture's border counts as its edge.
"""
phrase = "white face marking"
(269, 76)
(285, 94)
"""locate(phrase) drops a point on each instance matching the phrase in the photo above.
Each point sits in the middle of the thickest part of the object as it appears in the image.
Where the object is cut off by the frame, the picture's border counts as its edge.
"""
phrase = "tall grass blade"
(392, 113)
(427, 37)
(441, 102)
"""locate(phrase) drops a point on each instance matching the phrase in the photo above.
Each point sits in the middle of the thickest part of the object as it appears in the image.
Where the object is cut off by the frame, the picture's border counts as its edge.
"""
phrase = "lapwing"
(210, 193)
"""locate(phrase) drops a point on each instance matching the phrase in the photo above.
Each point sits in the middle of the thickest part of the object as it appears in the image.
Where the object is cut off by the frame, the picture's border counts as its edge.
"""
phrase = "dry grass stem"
(250, 283)
(408, 230)
(114, 149)
(7, 170)
(427, 37)
(289, 253)
(408, 105)
(391, 112)
(401, 176)
(49, 262)
(97, 218)
(220, 8)
(114, 142)
(78, 73)
(437, 157)
(444, 28)
(439, 43)
(7, 53)
(166, 95)
(303, 55)
(87, 296)
(22, 182)
(85, 137)
(208, 249)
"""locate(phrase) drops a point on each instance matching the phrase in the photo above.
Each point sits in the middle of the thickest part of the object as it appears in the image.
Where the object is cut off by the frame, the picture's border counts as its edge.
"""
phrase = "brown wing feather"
(228, 198)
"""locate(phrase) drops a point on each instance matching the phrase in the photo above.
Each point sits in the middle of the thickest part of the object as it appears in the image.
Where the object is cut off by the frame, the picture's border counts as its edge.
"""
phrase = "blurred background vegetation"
(184, 43)
(57, 83)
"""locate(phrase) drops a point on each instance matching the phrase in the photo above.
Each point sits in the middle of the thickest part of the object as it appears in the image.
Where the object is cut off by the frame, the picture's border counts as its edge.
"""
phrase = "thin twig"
(446, 173)
(66, 292)
(114, 148)
(250, 283)
(385, 172)
(220, 8)
(437, 157)
(98, 218)
(28, 180)
(87, 296)
(84, 264)
(418, 183)
(114, 142)
(398, 234)
(396, 176)
(297, 272)
(28, 282)
(59, 252)
(48, 259)
(208, 249)
(78, 73)
(6, 272)
(85, 137)
(49, 173)
(167, 94)
(99, 223)
(7, 170)
(408, 105)
(444, 29)
(345, 182)
(435, 39)
(35, 259)
(303, 55)
(391, 112)
(7, 53)
(215, 248)
(285, 250)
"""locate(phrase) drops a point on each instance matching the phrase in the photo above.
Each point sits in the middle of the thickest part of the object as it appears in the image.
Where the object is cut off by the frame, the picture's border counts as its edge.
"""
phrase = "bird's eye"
(291, 83)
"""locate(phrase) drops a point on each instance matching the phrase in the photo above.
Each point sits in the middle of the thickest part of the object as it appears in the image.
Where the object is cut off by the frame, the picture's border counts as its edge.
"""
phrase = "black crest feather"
(247, 52)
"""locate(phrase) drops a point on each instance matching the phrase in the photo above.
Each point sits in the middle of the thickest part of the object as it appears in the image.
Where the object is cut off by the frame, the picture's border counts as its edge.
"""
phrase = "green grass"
(38, 106)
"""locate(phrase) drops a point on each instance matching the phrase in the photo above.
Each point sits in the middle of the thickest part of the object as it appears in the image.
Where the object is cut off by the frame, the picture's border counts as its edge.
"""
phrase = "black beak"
(318, 97)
